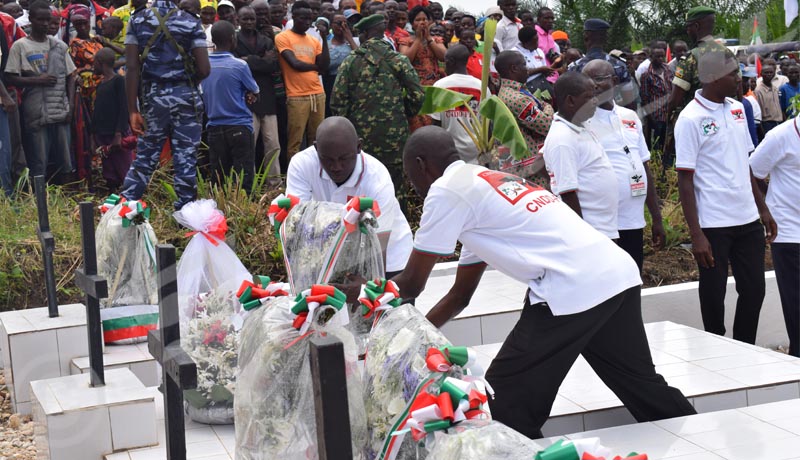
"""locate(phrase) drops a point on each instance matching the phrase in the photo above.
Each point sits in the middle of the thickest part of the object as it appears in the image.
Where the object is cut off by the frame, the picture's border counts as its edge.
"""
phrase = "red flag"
(758, 65)
(669, 55)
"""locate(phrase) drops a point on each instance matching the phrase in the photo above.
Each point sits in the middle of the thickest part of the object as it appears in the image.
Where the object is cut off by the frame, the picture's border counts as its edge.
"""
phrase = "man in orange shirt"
(303, 59)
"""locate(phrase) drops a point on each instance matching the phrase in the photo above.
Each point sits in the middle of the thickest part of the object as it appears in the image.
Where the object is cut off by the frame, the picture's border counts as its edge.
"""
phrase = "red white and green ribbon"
(444, 358)
(457, 400)
(377, 296)
(279, 209)
(215, 230)
(352, 218)
(582, 449)
(110, 202)
(131, 209)
(354, 210)
(319, 296)
(253, 295)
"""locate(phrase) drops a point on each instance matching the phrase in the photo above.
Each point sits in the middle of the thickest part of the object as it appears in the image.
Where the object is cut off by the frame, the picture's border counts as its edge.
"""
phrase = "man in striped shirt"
(656, 86)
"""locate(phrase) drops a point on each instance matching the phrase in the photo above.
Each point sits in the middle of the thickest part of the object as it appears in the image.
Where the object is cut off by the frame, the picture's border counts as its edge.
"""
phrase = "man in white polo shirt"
(619, 131)
(584, 291)
(580, 172)
(336, 169)
(778, 156)
(720, 199)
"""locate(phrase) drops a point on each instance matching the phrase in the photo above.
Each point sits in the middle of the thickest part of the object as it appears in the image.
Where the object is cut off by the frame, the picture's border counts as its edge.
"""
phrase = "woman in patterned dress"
(82, 49)
(424, 52)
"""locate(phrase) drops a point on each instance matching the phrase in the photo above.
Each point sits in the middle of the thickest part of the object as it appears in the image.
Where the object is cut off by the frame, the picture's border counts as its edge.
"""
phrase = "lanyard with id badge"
(636, 174)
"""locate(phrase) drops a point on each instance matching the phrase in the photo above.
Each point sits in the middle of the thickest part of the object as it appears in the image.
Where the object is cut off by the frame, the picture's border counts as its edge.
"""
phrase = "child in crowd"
(113, 37)
(111, 133)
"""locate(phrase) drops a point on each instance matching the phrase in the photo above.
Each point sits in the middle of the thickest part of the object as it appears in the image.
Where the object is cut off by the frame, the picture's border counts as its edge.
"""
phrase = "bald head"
(455, 59)
(428, 152)
(223, 35)
(337, 147)
(598, 67)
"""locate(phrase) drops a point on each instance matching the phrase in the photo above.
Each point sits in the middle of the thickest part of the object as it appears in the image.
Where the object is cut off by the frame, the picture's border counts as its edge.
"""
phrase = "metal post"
(48, 245)
(330, 398)
(179, 372)
(95, 288)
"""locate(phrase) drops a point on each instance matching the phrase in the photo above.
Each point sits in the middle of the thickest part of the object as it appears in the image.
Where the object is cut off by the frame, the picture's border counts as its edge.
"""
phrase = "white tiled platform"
(73, 421)
(135, 357)
(761, 432)
(714, 372)
(35, 346)
(206, 442)
(497, 304)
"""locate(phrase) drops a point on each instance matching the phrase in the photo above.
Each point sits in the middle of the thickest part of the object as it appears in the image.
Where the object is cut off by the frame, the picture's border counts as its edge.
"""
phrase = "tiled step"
(761, 432)
(134, 357)
(715, 373)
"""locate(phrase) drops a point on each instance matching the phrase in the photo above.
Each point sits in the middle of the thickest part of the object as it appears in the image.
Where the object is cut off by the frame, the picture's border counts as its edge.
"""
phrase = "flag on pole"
(756, 38)
(790, 6)
(758, 65)
(669, 55)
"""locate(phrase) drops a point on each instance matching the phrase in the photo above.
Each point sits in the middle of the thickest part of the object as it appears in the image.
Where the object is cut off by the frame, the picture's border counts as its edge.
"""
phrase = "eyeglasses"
(602, 78)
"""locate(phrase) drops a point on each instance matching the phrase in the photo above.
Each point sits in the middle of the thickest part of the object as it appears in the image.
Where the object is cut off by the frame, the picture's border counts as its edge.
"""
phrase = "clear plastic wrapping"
(393, 368)
(274, 402)
(317, 249)
(479, 440)
(209, 274)
(126, 259)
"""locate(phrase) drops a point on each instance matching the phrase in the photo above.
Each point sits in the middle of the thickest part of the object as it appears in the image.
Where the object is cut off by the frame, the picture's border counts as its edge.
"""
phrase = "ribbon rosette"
(279, 209)
(582, 449)
(353, 211)
(110, 202)
(378, 295)
(458, 400)
(131, 209)
(442, 359)
(253, 295)
(309, 300)
(216, 229)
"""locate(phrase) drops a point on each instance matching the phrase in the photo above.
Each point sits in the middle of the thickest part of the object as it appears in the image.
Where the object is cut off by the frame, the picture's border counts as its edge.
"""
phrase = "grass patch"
(21, 266)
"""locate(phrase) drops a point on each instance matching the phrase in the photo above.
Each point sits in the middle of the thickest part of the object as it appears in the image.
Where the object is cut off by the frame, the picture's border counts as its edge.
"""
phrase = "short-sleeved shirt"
(616, 129)
(576, 162)
(305, 49)
(164, 62)
(686, 76)
(28, 55)
(712, 140)
(778, 156)
(526, 233)
(533, 59)
(307, 180)
(546, 44)
(464, 84)
(620, 68)
(224, 91)
(507, 35)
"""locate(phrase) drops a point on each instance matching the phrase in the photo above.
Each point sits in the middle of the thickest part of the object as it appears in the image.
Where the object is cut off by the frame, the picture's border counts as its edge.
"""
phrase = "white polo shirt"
(526, 233)
(616, 129)
(712, 140)
(308, 181)
(778, 156)
(533, 59)
(507, 35)
(577, 162)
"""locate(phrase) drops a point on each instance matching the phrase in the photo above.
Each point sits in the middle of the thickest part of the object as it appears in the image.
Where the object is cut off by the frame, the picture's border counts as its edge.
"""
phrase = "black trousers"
(786, 258)
(743, 247)
(632, 242)
(231, 148)
(540, 350)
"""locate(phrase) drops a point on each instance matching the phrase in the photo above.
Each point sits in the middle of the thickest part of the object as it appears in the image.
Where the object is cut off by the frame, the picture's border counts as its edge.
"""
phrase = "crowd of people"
(330, 93)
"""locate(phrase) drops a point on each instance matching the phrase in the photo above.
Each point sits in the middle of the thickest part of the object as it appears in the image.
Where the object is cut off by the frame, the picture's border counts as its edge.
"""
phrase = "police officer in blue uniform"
(595, 36)
(167, 57)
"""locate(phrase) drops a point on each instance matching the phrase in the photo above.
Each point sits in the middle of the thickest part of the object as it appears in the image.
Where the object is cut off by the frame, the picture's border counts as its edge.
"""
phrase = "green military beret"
(369, 22)
(699, 12)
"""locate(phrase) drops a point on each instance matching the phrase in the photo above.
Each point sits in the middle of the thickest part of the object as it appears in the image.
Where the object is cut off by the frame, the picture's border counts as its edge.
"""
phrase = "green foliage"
(21, 269)
(506, 131)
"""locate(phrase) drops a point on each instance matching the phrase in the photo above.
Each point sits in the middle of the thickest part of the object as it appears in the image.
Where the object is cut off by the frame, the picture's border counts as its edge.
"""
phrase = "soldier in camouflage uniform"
(166, 57)
(377, 89)
(699, 25)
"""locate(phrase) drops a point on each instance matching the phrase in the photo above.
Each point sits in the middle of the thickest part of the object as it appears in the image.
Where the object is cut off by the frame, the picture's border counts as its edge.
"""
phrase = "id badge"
(637, 184)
